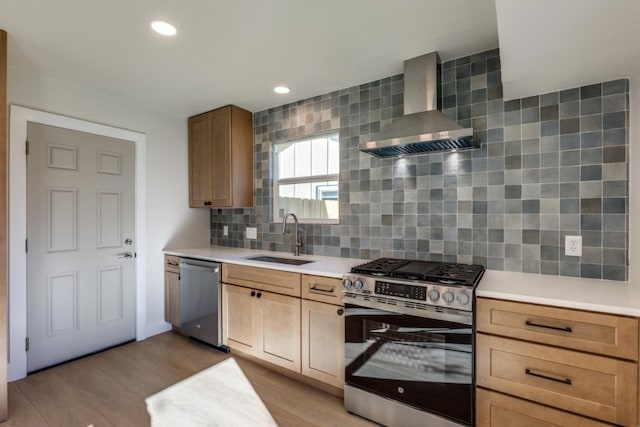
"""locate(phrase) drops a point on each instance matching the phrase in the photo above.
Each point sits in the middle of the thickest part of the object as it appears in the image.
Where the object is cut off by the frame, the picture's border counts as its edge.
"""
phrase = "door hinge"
(26, 344)
(26, 245)
(26, 149)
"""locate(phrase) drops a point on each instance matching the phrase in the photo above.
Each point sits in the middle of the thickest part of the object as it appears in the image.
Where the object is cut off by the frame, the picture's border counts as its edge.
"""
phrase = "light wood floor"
(109, 388)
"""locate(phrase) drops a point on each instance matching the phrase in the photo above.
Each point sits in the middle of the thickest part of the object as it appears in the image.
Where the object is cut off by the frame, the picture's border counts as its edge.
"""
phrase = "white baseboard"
(155, 329)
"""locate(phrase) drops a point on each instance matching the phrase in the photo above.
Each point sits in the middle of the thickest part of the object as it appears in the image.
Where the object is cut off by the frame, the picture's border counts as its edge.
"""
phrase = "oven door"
(423, 362)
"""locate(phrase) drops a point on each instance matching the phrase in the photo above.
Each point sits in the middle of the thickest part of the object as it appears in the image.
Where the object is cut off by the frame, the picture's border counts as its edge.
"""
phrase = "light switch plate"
(252, 233)
(225, 230)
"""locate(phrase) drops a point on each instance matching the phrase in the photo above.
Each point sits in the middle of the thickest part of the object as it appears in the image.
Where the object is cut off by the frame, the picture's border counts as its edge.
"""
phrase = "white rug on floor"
(218, 396)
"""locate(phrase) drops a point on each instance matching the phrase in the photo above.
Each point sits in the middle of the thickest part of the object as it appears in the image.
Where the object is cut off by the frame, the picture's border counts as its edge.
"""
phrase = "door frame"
(19, 117)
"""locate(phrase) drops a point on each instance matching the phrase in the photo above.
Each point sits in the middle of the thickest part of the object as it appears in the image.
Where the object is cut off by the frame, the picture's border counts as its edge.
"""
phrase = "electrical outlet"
(573, 245)
(225, 230)
(252, 233)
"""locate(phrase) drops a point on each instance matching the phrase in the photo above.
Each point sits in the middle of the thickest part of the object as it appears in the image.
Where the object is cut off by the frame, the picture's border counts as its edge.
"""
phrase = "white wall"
(169, 221)
(634, 178)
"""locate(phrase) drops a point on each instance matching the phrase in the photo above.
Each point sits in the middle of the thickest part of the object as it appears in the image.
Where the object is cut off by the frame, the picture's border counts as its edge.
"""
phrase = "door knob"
(125, 255)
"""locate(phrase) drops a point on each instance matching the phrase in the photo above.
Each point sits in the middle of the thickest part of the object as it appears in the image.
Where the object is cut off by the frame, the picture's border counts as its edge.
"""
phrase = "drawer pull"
(555, 328)
(316, 287)
(547, 377)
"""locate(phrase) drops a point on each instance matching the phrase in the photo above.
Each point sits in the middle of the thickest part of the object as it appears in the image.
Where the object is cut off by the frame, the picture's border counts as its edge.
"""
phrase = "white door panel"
(80, 211)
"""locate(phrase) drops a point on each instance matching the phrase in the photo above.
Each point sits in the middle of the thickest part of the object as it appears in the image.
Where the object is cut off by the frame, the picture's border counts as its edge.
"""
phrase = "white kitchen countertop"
(321, 265)
(605, 296)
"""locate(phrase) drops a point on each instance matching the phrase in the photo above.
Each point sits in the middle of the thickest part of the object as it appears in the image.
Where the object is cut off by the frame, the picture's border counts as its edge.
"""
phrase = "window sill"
(317, 221)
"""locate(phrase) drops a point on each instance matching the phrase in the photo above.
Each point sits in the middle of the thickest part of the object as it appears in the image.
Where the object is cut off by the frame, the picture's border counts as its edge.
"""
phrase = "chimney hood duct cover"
(423, 129)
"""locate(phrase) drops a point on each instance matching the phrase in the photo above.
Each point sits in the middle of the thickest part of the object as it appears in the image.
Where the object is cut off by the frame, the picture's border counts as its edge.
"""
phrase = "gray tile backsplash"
(550, 165)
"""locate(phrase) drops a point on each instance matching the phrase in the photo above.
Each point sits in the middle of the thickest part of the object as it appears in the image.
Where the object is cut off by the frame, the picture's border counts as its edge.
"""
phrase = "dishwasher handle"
(188, 266)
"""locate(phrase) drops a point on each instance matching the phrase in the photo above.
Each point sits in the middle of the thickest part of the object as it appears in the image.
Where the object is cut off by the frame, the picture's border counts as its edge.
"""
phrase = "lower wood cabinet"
(591, 385)
(323, 342)
(172, 298)
(264, 316)
(499, 410)
(172, 290)
(262, 324)
(538, 365)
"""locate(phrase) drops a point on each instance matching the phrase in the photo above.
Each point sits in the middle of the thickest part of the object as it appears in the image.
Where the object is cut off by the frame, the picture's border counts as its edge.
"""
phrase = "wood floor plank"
(109, 388)
(60, 403)
(135, 415)
(21, 411)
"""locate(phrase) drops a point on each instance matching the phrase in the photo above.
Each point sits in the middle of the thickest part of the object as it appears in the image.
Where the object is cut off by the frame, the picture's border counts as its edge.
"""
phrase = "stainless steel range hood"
(422, 129)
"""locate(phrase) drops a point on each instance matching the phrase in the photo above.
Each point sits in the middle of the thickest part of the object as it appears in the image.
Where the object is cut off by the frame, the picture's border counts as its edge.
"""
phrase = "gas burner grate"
(431, 271)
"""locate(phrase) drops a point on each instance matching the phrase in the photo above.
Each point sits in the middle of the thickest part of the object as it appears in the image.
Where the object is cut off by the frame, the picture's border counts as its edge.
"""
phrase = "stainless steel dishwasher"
(201, 301)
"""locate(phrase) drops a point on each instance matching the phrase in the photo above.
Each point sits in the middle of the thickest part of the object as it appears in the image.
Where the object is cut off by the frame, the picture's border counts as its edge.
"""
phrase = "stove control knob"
(463, 298)
(434, 295)
(448, 297)
(358, 284)
(346, 283)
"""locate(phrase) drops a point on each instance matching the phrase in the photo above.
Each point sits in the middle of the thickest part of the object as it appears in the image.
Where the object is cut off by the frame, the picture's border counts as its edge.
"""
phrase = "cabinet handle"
(259, 295)
(555, 328)
(316, 287)
(340, 312)
(566, 381)
(207, 203)
(253, 293)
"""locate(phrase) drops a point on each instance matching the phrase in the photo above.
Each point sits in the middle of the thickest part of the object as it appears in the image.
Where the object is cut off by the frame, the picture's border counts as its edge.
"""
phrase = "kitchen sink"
(290, 261)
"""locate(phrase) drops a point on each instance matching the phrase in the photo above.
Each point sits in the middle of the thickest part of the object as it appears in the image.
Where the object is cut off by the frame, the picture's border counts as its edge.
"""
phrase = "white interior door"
(80, 225)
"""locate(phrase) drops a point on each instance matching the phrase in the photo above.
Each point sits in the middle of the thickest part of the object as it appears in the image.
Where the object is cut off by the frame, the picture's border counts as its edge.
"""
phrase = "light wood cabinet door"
(280, 329)
(263, 324)
(241, 313)
(221, 158)
(172, 297)
(323, 342)
(499, 410)
(200, 161)
(595, 386)
(600, 333)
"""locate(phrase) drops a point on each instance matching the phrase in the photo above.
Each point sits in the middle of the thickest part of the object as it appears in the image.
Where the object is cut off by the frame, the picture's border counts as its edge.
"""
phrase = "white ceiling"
(549, 45)
(235, 52)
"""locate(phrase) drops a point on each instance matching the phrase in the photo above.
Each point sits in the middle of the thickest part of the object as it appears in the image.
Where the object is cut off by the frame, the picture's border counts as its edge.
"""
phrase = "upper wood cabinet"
(221, 159)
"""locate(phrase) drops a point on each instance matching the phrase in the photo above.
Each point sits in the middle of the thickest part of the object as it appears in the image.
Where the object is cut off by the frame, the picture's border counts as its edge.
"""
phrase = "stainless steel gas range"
(409, 342)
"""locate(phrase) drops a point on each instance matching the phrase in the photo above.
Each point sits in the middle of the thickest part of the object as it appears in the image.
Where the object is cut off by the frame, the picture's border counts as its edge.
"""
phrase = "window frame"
(277, 182)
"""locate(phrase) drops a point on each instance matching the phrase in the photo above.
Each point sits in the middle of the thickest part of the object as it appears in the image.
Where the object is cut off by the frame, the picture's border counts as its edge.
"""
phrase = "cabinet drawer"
(172, 263)
(322, 289)
(281, 282)
(595, 386)
(578, 330)
(499, 410)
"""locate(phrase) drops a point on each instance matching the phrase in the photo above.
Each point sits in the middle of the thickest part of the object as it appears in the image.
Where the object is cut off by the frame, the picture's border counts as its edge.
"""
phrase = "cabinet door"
(323, 342)
(499, 410)
(240, 317)
(280, 329)
(172, 297)
(221, 157)
(200, 165)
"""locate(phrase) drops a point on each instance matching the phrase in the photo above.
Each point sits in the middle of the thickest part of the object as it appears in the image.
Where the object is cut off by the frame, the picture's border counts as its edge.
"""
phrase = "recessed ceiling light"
(164, 28)
(281, 89)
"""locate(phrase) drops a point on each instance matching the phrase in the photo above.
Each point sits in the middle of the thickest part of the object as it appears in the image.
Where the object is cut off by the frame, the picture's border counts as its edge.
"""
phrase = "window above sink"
(306, 178)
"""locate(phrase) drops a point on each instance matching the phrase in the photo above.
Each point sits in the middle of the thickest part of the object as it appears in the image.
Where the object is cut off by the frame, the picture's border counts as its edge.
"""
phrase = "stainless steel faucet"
(284, 229)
